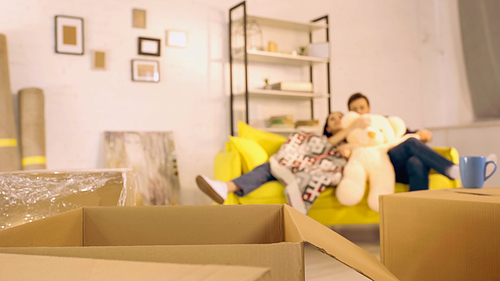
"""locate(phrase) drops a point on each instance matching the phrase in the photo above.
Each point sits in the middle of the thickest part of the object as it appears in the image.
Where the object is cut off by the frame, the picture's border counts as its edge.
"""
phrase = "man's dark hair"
(356, 96)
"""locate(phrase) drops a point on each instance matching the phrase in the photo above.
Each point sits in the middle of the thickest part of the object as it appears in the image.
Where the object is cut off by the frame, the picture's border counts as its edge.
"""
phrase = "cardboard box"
(27, 267)
(447, 234)
(30, 195)
(253, 235)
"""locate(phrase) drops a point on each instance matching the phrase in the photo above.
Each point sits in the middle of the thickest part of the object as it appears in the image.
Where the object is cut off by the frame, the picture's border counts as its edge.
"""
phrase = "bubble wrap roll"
(9, 151)
(32, 123)
(31, 195)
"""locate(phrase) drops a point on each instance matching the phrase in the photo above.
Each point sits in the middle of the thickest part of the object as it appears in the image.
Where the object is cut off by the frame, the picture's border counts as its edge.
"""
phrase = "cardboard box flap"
(485, 194)
(485, 191)
(61, 230)
(27, 267)
(285, 259)
(336, 246)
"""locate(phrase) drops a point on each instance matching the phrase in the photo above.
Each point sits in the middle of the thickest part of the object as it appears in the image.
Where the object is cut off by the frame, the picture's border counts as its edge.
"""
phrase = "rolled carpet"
(32, 124)
(9, 151)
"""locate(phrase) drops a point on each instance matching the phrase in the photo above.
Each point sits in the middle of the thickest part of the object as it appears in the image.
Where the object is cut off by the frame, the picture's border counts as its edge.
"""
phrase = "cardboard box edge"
(383, 274)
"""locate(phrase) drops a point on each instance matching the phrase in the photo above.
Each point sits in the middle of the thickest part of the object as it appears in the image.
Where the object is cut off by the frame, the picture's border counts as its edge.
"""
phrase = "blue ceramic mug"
(473, 171)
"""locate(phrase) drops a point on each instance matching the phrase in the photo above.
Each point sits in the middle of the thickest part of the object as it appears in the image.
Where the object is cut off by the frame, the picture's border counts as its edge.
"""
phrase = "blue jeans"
(412, 161)
(254, 179)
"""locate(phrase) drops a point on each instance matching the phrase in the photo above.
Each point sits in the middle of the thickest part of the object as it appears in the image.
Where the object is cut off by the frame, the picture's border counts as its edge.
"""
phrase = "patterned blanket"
(306, 164)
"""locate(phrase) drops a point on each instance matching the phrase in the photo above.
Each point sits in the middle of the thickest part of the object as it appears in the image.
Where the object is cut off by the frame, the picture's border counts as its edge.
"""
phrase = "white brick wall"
(81, 103)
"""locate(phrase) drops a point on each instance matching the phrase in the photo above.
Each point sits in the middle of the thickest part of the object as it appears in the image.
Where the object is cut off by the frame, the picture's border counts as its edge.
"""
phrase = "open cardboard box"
(28, 267)
(253, 235)
(445, 234)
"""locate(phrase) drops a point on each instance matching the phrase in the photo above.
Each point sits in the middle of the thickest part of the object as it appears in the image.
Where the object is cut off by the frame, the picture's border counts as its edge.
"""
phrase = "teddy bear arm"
(351, 188)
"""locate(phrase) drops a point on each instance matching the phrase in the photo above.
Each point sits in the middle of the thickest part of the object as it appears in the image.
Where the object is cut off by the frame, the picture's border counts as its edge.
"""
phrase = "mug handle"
(486, 165)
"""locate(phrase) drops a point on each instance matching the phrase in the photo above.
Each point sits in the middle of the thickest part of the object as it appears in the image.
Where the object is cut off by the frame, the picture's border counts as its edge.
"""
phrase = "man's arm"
(342, 134)
(424, 134)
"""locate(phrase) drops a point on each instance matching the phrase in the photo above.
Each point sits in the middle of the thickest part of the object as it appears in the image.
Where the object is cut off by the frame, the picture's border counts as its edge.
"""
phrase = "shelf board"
(285, 24)
(290, 130)
(269, 57)
(261, 93)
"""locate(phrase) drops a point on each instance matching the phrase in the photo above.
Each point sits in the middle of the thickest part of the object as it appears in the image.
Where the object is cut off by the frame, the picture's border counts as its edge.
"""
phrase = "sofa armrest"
(436, 180)
(448, 152)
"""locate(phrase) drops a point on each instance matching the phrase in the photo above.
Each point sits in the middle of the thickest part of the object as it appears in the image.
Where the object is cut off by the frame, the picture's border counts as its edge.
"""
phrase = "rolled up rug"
(9, 151)
(32, 124)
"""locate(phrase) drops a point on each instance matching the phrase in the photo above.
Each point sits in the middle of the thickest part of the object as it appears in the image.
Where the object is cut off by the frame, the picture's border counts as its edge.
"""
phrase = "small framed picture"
(98, 60)
(149, 46)
(176, 38)
(138, 18)
(145, 71)
(69, 35)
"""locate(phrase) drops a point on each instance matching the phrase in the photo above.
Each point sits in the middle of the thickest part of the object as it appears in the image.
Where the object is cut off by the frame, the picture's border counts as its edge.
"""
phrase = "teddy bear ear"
(347, 120)
(398, 125)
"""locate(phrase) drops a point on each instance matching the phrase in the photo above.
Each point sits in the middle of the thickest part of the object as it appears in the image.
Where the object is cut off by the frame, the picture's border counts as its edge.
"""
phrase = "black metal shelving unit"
(269, 57)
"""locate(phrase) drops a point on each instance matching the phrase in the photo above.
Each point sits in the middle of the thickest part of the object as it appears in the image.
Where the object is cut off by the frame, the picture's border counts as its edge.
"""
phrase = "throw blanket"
(306, 164)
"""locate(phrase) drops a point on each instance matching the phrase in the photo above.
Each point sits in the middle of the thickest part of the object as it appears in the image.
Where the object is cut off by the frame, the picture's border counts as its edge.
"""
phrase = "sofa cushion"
(252, 154)
(227, 165)
(271, 192)
(268, 141)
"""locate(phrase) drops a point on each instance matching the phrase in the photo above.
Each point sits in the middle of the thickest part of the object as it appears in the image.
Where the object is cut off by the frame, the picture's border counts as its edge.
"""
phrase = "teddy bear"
(369, 159)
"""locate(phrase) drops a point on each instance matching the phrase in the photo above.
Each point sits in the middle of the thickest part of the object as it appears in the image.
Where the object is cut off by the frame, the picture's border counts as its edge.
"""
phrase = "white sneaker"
(453, 172)
(215, 189)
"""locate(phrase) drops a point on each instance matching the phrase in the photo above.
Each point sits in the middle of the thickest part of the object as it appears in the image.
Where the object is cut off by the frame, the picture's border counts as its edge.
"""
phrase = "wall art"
(145, 70)
(69, 35)
(98, 60)
(139, 18)
(149, 46)
(152, 158)
(176, 38)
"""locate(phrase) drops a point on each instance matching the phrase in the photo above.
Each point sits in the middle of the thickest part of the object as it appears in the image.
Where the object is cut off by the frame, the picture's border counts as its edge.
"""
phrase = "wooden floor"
(322, 267)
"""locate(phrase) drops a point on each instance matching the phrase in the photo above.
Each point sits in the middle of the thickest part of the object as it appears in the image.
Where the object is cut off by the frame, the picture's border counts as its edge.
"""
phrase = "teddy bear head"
(381, 129)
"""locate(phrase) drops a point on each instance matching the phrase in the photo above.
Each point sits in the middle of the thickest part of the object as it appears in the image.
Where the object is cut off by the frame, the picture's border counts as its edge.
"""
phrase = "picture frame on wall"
(139, 18)
(176, 38)
(69, 35)
(146, 71)
(149, 46)
(98, 60)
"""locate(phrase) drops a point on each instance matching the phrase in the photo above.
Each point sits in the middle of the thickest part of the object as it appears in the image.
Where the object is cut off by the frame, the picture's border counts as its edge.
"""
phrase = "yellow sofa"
(326, 209)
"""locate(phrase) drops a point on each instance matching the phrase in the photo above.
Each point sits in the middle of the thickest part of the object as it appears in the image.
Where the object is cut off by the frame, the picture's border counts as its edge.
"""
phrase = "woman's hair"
(325, 133)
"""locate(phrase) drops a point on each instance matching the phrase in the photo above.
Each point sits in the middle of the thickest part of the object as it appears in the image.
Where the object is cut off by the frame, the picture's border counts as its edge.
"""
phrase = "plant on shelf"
(266, 84)
(302, 51)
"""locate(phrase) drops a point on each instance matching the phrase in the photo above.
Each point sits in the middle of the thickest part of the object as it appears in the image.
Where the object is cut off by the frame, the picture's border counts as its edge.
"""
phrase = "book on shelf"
(306, 123)
(282, 121)
(281, 117)
(293, 86)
